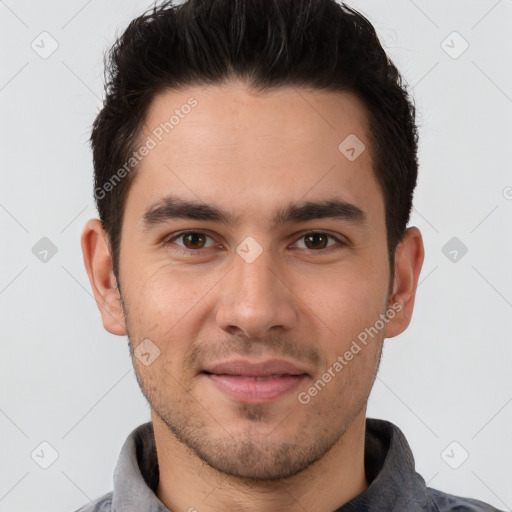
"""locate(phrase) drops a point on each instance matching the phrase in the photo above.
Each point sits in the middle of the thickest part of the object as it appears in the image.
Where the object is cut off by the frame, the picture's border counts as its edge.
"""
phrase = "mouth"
(244, 381)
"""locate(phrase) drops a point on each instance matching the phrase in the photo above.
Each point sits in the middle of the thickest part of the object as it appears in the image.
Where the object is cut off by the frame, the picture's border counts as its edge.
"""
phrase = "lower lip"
(248, 389)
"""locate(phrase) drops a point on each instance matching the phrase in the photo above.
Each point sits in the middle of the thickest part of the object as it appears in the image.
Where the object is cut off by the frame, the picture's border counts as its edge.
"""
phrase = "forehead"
(229, 144)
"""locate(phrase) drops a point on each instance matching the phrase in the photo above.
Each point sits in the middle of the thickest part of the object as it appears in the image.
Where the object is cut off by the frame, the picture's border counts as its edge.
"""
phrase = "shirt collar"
(136, 474)
(390, 472)
(389, 466)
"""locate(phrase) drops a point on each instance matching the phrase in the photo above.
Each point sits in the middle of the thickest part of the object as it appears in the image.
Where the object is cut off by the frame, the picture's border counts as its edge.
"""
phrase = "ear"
(98, 264)
(408, 262)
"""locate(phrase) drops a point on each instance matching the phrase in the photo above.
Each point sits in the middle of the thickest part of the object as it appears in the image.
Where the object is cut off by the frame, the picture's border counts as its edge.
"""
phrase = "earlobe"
(98, 264)
(408, 262)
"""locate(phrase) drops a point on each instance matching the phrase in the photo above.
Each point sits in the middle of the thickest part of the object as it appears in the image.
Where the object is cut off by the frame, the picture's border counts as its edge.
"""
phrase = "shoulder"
(444, 502)
(102, 504)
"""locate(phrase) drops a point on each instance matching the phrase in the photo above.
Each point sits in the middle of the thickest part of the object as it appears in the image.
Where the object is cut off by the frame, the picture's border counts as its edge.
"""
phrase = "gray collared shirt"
(394, 484)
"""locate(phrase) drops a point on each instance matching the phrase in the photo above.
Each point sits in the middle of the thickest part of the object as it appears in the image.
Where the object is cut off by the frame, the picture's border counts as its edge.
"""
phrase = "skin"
(252, 154)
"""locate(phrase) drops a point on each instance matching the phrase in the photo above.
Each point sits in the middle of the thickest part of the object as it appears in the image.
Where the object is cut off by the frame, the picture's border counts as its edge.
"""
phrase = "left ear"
(408, 262)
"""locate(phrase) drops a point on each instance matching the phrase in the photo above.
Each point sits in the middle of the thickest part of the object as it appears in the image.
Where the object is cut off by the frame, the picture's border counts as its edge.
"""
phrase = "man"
(255, 164)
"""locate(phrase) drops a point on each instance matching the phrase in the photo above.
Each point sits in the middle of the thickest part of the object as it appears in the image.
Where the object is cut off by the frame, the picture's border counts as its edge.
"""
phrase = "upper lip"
(246, 368)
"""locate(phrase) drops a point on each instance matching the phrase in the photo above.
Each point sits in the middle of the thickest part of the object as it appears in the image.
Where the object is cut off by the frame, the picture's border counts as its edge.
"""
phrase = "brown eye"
(316, 240)
(193, 240)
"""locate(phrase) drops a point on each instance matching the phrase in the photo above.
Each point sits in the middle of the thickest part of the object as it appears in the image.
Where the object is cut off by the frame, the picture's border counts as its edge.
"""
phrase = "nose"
(256, 298)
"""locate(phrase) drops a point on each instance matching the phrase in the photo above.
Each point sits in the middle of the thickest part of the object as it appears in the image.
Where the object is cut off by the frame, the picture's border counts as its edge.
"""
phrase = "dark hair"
(268, 43)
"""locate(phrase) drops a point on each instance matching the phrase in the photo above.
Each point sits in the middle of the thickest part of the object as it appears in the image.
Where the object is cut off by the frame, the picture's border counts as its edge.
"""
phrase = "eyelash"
(170, 241)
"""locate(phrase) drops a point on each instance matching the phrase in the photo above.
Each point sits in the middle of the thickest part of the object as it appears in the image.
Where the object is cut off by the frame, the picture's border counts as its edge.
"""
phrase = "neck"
(187, 484)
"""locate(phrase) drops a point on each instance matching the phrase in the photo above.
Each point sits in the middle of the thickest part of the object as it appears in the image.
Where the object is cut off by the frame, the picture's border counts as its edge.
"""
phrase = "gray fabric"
(389, 465)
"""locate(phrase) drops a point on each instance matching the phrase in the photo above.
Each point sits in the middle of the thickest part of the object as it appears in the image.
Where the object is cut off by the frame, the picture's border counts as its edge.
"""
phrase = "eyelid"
(170, 239)
(340, 241)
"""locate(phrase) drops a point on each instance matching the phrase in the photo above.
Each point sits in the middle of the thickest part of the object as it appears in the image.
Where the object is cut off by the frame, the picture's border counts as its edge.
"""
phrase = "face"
(248, 235)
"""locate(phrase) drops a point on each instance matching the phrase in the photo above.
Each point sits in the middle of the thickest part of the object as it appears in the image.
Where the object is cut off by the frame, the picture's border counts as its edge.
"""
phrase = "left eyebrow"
(174, 207)
(336, 209)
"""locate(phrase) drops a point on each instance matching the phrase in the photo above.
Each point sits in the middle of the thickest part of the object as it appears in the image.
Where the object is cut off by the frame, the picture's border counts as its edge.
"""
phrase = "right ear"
(99, 267)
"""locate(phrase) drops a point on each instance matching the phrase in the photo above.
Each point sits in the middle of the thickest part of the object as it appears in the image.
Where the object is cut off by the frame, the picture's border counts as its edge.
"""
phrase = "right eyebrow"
(173, 207)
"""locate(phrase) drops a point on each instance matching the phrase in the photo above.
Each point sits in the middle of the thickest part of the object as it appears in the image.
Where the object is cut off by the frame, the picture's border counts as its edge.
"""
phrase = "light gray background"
(66, 381)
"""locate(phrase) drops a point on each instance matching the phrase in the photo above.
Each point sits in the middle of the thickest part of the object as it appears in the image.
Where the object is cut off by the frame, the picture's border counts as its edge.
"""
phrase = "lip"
(245, 381)
(249, 389)
(246, 368)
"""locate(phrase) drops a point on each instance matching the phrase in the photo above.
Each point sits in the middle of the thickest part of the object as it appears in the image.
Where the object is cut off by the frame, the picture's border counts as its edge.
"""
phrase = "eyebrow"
(174, 207)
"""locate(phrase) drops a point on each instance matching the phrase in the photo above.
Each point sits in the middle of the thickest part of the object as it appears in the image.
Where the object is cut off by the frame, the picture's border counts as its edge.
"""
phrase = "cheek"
(349, 301)
(170, 307)
(158, 309)
(162, 295)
